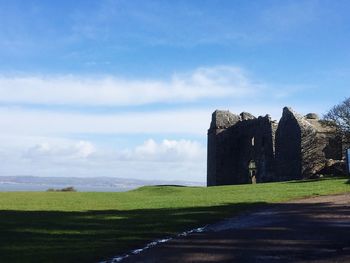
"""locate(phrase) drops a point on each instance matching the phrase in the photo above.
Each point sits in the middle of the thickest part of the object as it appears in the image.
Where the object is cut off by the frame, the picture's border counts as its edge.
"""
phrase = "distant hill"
(99, 184)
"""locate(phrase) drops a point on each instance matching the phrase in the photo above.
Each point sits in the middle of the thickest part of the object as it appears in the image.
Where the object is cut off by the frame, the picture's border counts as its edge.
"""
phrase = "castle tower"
(236, 143)
(218, 140)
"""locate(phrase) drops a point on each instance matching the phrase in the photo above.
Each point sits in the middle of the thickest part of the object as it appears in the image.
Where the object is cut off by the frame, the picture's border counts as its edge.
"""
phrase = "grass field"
(90, 227)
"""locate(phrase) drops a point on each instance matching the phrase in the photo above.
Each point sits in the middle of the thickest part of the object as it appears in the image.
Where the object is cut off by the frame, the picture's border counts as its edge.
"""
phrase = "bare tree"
(339, 117)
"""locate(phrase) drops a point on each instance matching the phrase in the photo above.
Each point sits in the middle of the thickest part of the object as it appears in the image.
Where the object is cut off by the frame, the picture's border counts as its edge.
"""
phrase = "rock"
(312, 116)
(334, 167)
(247, 116)
(223, 119)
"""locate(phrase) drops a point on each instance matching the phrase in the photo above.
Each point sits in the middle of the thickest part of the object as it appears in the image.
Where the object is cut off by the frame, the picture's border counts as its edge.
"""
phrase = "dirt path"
(309, 230)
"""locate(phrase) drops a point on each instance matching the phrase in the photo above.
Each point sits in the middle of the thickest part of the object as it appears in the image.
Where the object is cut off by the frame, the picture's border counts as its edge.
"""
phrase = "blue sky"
(126, 88)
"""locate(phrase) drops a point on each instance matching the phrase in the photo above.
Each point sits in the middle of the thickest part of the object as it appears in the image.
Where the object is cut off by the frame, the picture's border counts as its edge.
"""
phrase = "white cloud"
(167, 150)
(54, 151)
(162, 160)
(181, 151)
(44, 123)
(214, 82)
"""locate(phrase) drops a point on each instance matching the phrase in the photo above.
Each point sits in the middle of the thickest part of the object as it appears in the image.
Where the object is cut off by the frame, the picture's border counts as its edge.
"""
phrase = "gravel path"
(308, 230)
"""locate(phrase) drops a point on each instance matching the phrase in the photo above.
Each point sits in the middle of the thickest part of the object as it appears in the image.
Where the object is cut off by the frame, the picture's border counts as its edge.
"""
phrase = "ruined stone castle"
(245, 149)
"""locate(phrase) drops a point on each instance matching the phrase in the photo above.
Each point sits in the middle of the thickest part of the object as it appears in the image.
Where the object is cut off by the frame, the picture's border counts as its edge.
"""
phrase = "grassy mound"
(89, 227)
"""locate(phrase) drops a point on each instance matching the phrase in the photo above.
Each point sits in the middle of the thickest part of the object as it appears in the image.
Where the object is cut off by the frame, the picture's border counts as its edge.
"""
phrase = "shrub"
(66, 189)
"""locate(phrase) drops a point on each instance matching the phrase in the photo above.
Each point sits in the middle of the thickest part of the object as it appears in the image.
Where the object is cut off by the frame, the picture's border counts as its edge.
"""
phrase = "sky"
(126, 88)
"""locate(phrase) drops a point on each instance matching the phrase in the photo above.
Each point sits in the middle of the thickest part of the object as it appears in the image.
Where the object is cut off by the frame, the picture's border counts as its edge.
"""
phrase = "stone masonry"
(244, 149)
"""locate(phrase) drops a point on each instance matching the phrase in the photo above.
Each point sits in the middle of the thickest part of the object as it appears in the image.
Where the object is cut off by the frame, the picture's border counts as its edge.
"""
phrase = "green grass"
(88, 227)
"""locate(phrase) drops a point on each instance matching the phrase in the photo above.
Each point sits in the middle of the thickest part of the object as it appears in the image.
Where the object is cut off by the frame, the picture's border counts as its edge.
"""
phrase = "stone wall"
(294, 138)
(303, 145)
(234, 141)
(218, 157)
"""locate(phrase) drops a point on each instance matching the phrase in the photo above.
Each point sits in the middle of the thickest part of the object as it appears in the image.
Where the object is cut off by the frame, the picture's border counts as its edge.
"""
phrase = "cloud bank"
(45, 150)
(163, 159)
(202, 83)
(44, 123)
(166, 151)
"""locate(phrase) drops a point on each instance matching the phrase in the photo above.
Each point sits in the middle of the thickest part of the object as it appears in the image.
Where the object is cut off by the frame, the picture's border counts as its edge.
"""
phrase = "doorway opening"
(252, 171)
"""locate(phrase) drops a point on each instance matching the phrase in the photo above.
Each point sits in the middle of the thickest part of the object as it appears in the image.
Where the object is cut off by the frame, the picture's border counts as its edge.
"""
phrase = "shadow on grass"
(55, 236)
(172, 185)
(304, 181)
(316, 179)
(290, 232)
